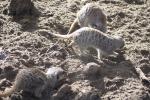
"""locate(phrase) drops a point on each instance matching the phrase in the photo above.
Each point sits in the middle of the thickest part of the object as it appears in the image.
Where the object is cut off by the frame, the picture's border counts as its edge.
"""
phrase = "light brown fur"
(87, 37)
(90, 15)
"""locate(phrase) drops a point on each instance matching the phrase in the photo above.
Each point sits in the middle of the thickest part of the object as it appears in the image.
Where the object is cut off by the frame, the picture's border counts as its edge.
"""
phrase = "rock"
(113, 84)
(25, 56)
(85, 1)
(144, 52)
(57, 76)
(1, 70)
(91, 69)
(135, 1)
(84, 91)
(9, 71)
(3, 55)
(62, 93)
(4, 83)
(8, 68)
(144, 60)
(57, 54)
(140, 96)
(73, 5)
(145, 68)
(87, 96)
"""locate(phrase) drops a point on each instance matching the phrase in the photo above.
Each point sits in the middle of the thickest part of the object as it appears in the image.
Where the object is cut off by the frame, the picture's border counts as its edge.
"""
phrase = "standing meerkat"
(33, 81)
(86, 37)
(90, 15)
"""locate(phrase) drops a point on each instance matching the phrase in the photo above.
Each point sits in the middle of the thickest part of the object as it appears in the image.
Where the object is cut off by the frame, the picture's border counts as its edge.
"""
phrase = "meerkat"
(87, 37)
(90, 15)
(33, 81)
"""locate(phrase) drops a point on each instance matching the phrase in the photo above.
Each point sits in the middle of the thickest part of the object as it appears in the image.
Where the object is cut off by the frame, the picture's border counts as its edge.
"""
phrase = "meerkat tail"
(7, 92)
(62, 36)
(73, 26)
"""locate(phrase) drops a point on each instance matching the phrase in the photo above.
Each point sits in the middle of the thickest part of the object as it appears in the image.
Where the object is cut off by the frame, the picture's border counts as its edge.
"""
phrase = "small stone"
(88, 96)
(86, 1)
(8, 68)
(4, 83)
(57, 54)
(144, 60)
(134, 1)
(64, 89)
(15, 97)
(62, 92)
(91, 69)
(145, 68)
(2, 55)
(144, 52)
(57, 76)
(25, 56)
(1, 70)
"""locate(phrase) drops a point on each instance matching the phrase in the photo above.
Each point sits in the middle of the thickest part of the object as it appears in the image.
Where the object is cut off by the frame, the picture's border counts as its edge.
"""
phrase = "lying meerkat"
(90, 15)
(33, 81)
(86, 37)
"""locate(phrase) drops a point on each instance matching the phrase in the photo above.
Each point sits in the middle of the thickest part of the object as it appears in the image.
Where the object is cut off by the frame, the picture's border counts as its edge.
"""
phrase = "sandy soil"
(25, 44)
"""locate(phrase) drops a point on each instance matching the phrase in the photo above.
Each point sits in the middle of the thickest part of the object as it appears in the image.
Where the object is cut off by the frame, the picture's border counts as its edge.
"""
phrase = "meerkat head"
(119, 42)
(100, 22)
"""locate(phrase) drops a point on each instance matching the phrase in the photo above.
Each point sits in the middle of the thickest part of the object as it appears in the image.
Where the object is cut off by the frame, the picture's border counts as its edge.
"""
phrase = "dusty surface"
(25, 44)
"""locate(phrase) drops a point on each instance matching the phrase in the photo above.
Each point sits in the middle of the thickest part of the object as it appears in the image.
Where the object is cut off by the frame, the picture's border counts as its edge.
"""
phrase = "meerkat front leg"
(99, 55)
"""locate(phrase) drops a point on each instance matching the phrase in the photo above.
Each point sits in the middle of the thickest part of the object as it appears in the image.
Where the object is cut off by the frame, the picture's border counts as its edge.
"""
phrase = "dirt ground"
(24, 43)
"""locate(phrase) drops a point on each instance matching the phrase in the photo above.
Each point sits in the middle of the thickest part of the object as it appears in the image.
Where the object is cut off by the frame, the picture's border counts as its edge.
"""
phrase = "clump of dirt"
(25, 43)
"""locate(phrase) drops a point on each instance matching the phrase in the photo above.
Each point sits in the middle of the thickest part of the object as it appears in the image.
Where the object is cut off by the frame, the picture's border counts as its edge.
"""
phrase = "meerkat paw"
(99, 55)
